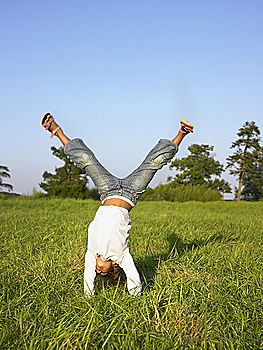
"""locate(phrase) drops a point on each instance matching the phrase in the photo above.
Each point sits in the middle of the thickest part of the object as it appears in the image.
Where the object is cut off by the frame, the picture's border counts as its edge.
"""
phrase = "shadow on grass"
(177, 247)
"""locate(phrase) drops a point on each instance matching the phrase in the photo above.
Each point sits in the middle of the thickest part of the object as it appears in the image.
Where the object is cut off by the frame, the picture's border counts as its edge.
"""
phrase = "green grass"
(201, 264)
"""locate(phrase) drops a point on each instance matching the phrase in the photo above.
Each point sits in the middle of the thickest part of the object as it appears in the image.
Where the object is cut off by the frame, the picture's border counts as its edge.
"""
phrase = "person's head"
(113, 273)
(116, 276)
(103, 267)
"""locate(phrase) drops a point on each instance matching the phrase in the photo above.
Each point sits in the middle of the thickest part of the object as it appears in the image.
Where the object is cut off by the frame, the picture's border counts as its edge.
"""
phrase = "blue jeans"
(132, 186)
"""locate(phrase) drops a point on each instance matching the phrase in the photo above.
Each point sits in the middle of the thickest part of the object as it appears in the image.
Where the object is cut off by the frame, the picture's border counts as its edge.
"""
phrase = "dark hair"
(116, 276)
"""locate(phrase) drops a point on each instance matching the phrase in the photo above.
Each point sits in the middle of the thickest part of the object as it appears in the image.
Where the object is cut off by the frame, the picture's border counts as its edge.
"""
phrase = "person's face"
(103, 267)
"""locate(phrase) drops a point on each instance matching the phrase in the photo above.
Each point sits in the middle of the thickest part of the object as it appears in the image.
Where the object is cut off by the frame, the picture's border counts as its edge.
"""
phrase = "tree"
(246, 161)
(200, 168)
(253, 178)
(4, 173)
(68, 180)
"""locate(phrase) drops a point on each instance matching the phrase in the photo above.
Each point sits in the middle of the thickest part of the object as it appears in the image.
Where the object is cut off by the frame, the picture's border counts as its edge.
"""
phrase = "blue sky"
(121, 74)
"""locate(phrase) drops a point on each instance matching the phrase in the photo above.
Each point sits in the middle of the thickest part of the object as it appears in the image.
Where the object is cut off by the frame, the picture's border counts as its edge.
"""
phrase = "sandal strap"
(55, 131)
(185, 129)
(48, 122)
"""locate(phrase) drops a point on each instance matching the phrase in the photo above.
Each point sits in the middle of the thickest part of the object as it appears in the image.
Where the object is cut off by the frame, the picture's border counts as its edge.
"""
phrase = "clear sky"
(121, 74)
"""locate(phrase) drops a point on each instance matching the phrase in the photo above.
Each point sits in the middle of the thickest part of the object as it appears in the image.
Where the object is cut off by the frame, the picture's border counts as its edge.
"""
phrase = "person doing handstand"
(108, 233)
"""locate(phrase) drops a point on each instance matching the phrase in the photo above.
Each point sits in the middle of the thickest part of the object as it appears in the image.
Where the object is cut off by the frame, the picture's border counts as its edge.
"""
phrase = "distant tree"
(68, 181)
(253, 178)
(246, 161)
(5, 173)
(34, 191)
(200, 168)
(181, 193)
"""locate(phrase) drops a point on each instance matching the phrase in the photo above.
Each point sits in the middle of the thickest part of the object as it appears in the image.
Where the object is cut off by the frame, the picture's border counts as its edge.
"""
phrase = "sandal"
(186, 127)
(46, 121)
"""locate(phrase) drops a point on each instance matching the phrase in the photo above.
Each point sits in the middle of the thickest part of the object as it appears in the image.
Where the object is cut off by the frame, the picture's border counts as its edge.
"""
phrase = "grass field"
(201, 264)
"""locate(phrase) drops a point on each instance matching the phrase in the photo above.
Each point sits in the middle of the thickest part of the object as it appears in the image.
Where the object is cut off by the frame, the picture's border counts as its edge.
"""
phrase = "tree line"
(198, 175)
(246, 163)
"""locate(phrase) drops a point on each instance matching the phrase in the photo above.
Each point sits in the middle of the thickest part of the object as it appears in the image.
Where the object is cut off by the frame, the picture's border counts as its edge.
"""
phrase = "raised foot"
(186, 127)
(48, 122)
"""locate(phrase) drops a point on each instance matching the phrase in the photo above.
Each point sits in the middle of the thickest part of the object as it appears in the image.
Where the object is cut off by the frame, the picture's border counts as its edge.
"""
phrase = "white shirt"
(108, 237)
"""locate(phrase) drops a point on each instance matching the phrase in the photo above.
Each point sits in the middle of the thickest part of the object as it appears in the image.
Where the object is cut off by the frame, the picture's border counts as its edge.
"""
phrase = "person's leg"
(159, 156)
(82, 157)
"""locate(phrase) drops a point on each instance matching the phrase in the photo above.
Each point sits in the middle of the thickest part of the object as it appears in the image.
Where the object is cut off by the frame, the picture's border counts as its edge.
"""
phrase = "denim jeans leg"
(160, 155)
(85, 159)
